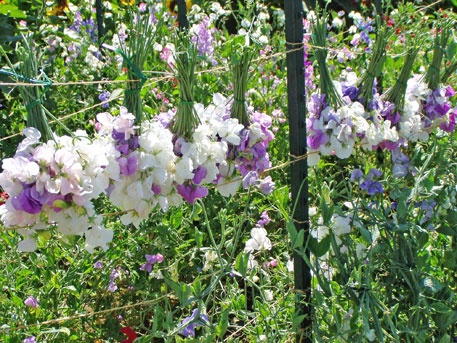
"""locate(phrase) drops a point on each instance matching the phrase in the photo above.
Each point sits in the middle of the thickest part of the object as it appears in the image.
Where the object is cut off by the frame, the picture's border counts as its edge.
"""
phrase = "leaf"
(297, 321)
(12, 11)
(221, 327)
(319, 248)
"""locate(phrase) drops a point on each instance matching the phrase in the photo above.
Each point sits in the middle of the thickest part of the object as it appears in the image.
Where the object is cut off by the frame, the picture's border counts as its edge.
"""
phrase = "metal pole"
(299, 168)
(99, 14)
(182, 16)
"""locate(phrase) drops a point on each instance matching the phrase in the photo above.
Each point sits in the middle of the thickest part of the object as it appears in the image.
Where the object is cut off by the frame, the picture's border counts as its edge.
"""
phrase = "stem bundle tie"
(138, 73)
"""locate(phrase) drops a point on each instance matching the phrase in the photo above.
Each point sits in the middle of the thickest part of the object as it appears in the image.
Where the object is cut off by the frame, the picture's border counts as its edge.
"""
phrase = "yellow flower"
(58, 9)
(173, 4)
(128, 2)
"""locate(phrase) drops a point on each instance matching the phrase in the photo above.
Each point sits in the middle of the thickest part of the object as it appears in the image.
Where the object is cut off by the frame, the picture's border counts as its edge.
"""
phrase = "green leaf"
(319, 248)
(297, 321)
(12, 11)
(221, 327)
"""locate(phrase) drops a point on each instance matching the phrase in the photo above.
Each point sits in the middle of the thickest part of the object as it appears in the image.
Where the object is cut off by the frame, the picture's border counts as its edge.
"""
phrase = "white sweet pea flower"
(98, 236)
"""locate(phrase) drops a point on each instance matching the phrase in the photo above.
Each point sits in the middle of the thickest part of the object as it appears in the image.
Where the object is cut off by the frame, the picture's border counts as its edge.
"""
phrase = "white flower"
(98, 236)
(268, 295)
(27, 245)
(341, 225)
(258, 240)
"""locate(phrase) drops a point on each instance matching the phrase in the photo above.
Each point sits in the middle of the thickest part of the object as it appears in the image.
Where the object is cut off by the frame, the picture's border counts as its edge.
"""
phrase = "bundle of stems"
(27, 70)
(241, 58)
(186, 119)
(319, 42)
(375, 66)
(396, 94)
(433, 75)
(140, 43)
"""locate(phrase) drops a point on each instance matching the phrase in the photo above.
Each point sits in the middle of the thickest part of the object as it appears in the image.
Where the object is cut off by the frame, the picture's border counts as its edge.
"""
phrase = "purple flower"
(128, 165)
(156, 189)
(356, 175)
(267, 186)
(199, 174)
(194, 321)
(29, 200)
(150, 261)
(204, 37)
(31, 302)
(374, 173)
(103, 97)
(316, 139)
(112, 287)
(192, 192)
(142, 7)
(372, 187)
(264, 219)
(30, 339)
(250, 179)
(450, 92)
(98, 265)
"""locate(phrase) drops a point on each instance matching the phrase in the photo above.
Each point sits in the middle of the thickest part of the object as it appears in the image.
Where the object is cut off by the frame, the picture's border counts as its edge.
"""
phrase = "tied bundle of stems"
(241, 58)
(319, 42)
(140, 44)
(375, 66)
(433, 75)
(186, 119)
(396, 94)
(27, 71)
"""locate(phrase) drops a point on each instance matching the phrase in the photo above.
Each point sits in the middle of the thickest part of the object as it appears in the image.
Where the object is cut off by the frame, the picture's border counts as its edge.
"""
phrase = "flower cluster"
(53, 183)
(335, 131)
(139, 168)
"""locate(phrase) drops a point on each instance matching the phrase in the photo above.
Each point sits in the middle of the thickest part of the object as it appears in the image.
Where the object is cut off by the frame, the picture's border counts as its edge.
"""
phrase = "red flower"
(3, 197)
(131, 335)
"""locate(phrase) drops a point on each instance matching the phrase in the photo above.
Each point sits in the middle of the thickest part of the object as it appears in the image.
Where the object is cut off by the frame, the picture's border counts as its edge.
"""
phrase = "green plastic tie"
(189, 103)
(135, 70)
(34, 103)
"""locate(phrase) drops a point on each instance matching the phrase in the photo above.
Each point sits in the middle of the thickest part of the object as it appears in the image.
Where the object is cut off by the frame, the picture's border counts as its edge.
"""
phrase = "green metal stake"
(299, 167)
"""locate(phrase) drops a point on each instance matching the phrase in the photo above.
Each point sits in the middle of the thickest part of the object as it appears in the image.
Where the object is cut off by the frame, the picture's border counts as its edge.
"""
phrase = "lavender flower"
(112, 287)
(150, 261)
(190, 192)
(98, 265)
(30, 339)
(194, 321)
(104, 97)
(31, 302)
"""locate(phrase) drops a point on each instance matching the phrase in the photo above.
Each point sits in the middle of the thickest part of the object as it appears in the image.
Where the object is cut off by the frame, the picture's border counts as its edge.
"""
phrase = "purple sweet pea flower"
(192, 192)
(150, 261)
(199, 174)
(374, 173)
(264, 219)
(128, 165)
(194, 321)
(372, 187)
(104, 97)
(267, 186)
(98, 265)
(156, 189)
(356, 175)
(30, 339)
(112, 287)
(250, 179)
(29, 200)
(316, 139)
(31, 302)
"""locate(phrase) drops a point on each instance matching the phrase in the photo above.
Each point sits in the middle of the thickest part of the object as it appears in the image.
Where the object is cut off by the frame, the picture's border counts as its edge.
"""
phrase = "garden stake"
(299, 169)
